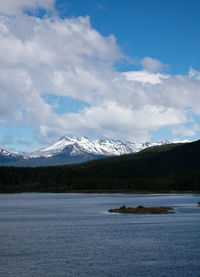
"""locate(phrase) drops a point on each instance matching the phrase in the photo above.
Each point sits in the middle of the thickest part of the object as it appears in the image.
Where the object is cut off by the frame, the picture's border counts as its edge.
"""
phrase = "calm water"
(73, 235)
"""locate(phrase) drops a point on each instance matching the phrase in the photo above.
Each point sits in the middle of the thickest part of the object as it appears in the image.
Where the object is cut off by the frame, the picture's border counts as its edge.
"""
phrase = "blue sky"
(109, 69)
(166, 30)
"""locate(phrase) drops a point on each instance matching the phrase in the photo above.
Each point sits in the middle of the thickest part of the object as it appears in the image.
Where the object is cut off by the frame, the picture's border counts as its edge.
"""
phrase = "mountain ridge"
(166, 168)
(69, 150)
(96, 147)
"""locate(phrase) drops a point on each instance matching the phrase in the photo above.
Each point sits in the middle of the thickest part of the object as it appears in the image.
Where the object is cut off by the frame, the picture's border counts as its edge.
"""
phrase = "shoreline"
(106, 192)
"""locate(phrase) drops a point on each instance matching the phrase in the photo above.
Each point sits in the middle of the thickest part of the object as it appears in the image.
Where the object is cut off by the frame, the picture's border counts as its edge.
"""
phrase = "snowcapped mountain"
(70, 150)
(4, 153)
(7, 157)
(79, 146)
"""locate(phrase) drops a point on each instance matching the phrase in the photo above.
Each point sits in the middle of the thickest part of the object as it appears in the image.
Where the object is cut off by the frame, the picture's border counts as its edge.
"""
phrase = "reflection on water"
(73, 235)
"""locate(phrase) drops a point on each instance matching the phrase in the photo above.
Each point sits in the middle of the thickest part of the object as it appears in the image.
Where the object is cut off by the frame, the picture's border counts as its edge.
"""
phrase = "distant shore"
(108, 192)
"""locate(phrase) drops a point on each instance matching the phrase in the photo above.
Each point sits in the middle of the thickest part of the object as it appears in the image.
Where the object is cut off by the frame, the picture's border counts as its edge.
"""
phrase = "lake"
(74, 235)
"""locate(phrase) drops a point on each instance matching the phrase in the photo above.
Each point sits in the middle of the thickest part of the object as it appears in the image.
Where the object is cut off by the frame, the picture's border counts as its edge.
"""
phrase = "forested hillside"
(161, 168)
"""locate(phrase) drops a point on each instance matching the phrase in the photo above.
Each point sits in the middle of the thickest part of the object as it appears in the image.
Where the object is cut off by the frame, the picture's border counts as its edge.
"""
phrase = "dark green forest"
(174, 167)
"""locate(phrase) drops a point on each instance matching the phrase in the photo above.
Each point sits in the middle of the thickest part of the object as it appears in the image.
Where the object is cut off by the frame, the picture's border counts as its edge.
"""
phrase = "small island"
(143, 210)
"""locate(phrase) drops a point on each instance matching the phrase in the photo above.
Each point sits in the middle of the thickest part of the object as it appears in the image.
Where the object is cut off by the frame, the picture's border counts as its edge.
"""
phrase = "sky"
(104, 69)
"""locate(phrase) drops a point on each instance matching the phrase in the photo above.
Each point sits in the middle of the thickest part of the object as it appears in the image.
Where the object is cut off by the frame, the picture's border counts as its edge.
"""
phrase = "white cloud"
(145, 77)
(112, 120)
(70, 58)
(194, 74)
(152, 65)
(65, 57)
(13, 7)
(186, 131)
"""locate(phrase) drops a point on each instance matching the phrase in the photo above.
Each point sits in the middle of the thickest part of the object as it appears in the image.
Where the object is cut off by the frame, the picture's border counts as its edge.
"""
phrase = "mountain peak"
(68, 150)
(84, 138)
(4, 152)
(95, 147)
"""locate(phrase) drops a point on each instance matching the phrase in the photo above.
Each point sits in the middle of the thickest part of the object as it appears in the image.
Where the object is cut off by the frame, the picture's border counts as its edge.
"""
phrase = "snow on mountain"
(78, 146)
(6, 153)
(180, 141)
(70, 150)
(7, 157)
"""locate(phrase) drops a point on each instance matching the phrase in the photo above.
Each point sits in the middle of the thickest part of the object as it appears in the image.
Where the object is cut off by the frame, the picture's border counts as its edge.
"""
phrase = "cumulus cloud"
(194, 74)
(64, 57)
(112, 120)
(186, 131)
(145, 77)
(69, 58)
(13, 7)
(152, 65)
